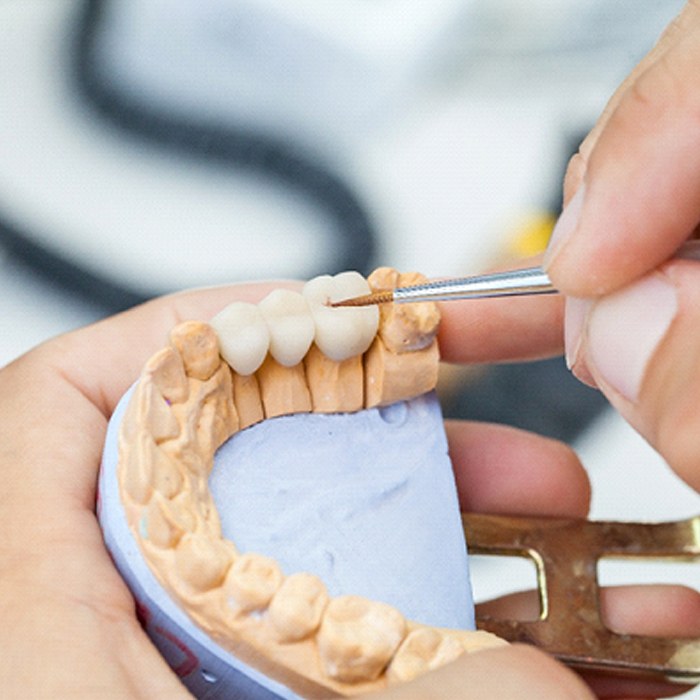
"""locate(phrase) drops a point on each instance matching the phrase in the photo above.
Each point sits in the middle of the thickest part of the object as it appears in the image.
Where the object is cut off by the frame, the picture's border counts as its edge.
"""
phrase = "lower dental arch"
(204, 387)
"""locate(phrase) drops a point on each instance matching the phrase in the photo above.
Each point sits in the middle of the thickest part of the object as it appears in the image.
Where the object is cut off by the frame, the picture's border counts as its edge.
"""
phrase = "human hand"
(69, 627)
(633, 199)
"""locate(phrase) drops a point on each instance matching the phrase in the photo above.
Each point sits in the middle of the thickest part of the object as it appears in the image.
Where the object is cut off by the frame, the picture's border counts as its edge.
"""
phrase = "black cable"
(240, 147)
(59, 270)
(235, 147)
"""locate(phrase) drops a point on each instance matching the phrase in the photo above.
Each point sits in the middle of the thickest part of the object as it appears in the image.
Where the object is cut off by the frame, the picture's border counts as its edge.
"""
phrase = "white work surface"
(439, 208)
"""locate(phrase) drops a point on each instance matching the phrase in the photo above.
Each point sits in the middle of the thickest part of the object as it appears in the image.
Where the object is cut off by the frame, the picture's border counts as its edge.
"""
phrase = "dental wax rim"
(189, 401)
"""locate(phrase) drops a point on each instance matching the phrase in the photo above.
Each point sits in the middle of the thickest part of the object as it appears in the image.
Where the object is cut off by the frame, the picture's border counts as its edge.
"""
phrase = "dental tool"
(523, 282)
(528, 281)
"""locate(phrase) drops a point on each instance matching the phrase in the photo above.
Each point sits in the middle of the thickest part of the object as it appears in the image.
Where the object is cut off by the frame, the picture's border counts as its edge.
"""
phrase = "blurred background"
(151, 146)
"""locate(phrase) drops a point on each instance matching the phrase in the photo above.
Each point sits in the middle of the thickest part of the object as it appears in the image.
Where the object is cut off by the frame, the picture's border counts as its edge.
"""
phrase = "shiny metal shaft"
(531, 280)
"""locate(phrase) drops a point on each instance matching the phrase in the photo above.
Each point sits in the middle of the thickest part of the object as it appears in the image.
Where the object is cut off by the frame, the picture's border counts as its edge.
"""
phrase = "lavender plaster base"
(366, 500)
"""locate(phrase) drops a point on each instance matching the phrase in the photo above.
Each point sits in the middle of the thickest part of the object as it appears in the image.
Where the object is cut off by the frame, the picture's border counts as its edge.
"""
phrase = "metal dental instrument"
(528, 281)
(532, 280)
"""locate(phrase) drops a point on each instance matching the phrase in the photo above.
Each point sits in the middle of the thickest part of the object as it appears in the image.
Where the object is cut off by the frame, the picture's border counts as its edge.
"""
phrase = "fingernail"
(574, 319)
(575, 315)
(624, 329)
(565, 226)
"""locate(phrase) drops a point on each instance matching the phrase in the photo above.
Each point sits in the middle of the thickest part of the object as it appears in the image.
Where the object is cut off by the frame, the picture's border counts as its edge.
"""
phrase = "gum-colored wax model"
(276, 491)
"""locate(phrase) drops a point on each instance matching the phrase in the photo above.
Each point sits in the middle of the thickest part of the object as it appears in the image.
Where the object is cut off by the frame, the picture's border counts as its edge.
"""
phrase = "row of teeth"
(352, 639)
(286, 323)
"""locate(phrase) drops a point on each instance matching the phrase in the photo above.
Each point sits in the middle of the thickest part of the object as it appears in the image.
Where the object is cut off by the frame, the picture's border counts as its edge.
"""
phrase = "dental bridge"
(293, 353)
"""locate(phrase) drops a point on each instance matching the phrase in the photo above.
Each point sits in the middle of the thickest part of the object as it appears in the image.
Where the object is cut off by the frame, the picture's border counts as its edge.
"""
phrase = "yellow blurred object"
(531, 234)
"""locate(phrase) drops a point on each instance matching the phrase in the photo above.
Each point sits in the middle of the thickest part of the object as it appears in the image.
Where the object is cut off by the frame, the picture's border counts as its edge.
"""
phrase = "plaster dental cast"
(272, 366)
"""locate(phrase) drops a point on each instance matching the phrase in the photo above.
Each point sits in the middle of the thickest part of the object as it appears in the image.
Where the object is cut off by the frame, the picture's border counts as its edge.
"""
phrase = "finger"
(640, 196)
(650, 610)
(505, 470)
(675, 31)
(516, 672)
(658, 610)
(641, 345)
(501, 330)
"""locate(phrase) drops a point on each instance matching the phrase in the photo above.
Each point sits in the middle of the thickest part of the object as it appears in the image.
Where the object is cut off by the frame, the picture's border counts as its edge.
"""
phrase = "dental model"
(290, 354)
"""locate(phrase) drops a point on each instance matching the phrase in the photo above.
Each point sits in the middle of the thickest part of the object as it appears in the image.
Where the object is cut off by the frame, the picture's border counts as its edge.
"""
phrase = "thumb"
(638, 198)
(641, 347)
(517, 672)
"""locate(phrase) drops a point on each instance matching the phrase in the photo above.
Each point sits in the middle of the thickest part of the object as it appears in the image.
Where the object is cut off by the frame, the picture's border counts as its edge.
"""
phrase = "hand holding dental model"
(67, 612)
(70, 628)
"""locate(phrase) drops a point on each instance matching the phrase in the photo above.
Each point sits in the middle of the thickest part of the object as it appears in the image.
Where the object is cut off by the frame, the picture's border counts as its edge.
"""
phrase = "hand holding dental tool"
(523, 282)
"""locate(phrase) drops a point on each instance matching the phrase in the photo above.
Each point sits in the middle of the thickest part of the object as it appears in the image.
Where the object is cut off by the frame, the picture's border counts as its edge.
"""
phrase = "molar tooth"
(423, 650)
(344, 332)
(201, 561)
(358, 638)
(252, 581)
(297, 607)
(290, 323)
(244, 338)
(404, 327)
(196, 343)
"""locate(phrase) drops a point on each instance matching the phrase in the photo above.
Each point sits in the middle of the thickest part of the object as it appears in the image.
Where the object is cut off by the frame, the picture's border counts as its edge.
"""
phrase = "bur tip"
(366, 300)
